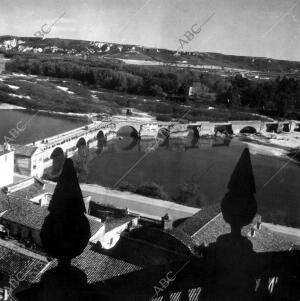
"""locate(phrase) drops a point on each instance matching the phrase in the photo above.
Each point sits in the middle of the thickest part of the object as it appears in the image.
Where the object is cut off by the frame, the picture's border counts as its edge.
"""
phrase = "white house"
(109, 234)
(6, 165)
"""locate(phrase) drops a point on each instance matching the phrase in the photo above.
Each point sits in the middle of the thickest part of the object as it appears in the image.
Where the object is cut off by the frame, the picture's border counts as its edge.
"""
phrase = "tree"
(152, 190)
(66, 231)
(190, 194)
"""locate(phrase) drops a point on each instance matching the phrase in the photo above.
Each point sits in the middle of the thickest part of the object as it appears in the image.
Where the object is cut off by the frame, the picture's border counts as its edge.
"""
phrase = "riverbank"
(279, 145)
(7, 106)
(144, 206)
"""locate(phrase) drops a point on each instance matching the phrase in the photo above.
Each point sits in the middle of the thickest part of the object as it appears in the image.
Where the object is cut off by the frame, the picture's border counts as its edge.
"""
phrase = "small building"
(31, 189)
(29, 161)
(6, 165)
(198, 89)
(24, 220)
(111, 231)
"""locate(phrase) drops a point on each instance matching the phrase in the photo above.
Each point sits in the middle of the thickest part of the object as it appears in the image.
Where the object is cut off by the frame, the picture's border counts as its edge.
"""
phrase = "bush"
(189, 194)
(152, 190)
(125, 186)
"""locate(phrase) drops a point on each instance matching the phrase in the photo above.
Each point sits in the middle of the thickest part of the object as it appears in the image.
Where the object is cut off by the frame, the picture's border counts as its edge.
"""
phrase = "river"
(204, 165)
(23, 126)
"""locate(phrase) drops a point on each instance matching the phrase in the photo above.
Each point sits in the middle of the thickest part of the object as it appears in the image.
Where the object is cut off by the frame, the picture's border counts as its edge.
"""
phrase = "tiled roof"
(264, 240)
(95, 224)
(15, 263)
(191, 225)
(208, 224)
(116, 222)
(29, 192)
(25, 150)
(100, 267)
(25, 213)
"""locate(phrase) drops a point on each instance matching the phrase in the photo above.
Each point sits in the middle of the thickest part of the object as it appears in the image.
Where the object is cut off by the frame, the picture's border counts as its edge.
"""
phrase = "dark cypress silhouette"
(239, 205)
(232, 257)
(66, 231)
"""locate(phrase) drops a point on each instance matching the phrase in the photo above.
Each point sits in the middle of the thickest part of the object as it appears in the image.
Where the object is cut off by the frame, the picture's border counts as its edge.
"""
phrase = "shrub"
(125, 186)
(152, 190)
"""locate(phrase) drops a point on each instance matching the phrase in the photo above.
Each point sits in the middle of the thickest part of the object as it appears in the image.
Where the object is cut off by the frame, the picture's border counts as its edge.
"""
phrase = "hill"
(135, 54)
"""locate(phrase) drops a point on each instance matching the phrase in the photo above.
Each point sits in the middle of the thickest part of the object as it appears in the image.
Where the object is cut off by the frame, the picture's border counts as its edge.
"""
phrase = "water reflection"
(175, 162)
(193, 144)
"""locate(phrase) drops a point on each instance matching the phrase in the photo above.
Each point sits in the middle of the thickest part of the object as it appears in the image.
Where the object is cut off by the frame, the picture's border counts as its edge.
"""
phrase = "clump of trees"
(148, 189)
(146, 80)
(280, 96)
(189, 194)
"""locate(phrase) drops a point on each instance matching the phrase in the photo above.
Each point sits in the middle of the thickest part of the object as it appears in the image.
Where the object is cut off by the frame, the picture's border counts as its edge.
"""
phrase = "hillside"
(134, 53)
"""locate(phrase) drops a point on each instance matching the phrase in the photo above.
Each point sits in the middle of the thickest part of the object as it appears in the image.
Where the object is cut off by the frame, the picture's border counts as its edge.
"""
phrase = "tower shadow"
(232, 256)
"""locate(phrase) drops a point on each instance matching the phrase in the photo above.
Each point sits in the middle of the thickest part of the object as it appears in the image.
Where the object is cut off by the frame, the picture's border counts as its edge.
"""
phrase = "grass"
(44, 94)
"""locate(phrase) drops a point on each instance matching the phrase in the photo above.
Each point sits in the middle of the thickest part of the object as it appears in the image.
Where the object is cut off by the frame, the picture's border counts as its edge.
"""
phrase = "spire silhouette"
(239, 205)
(66, 230)
(242, 179)
(67, 194)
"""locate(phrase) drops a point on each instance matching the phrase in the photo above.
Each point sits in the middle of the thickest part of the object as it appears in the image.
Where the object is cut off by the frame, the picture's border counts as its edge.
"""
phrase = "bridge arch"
(248, 130)
(81, 142)
(128, 130)
(194, 130)
(58, 158)
(163, 133)
(223, 129)
(101, 139)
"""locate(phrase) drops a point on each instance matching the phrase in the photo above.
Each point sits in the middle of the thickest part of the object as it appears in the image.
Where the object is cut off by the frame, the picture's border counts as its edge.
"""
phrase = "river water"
(23, 126)
(204, 164)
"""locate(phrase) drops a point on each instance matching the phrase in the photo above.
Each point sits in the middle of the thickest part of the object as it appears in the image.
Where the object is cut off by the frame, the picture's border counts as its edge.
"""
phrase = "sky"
(265, 28)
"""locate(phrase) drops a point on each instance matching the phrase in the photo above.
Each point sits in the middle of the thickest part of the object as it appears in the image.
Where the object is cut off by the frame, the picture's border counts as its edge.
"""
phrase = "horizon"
(170, 49)
(260, 28)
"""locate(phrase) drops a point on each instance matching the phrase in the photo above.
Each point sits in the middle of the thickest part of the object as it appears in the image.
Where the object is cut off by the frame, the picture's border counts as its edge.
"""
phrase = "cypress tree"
(66, 231)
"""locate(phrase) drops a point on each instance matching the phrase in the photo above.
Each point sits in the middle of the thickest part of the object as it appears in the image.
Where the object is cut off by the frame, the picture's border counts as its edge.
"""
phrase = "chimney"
(167, 222)
(258, 224)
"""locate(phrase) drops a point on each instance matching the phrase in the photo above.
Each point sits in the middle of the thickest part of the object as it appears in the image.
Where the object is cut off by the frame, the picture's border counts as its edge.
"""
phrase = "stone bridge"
(53, 150)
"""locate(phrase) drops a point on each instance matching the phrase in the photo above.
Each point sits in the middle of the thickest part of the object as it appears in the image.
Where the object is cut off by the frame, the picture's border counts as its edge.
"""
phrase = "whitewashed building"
(6, 165)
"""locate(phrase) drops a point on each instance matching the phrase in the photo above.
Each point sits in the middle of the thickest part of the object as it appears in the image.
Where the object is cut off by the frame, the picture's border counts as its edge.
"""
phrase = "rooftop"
(192, 224)
(13, 262)
(116, 222)
(26, 189)
(208, 224)
(95, 224)
(25, 150)
(4, 150)
(25, 213)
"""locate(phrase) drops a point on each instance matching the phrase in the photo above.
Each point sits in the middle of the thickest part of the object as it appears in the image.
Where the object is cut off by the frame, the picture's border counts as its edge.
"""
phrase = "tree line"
(279, 96)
